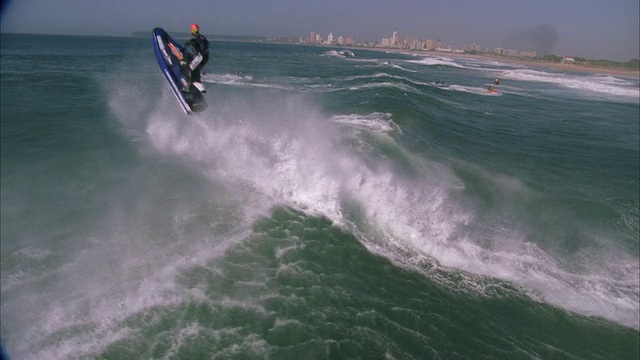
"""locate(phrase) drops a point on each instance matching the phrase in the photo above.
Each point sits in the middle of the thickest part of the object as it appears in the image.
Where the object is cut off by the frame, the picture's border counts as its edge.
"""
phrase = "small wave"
(489, 65)
(377, 122)
(398, 86)
(594, 84)
(431, 61)
(340, 54)
(608, 79)
(247, 81)
(347, 55)
(473, 90)
(375, 76)
(334, 53)
(227, 78)
(400, 68)
(32, 253)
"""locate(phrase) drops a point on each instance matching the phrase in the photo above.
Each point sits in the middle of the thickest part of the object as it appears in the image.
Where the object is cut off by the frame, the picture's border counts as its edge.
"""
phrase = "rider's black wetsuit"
(196, 57)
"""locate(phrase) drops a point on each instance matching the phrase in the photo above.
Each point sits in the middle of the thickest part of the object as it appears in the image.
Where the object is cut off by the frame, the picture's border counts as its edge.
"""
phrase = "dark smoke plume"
(542, 38)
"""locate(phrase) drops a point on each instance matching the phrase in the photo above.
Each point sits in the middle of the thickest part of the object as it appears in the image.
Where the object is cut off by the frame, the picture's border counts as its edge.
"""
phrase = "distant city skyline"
(408, 42)
(586, 28)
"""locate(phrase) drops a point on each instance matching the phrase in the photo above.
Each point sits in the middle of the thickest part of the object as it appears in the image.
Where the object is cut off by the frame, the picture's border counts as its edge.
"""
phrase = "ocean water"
(330, 204)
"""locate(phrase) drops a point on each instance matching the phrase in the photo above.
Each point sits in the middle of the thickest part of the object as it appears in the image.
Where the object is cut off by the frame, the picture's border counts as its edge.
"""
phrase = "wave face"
(329, 203)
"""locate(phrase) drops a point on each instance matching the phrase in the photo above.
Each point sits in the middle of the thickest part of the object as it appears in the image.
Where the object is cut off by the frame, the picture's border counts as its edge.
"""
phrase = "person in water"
(195, 57)
(496, 82)
(490, 88)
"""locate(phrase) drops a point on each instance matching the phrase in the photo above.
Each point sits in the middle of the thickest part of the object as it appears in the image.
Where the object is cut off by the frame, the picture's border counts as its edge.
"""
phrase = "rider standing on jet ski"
(196, 57)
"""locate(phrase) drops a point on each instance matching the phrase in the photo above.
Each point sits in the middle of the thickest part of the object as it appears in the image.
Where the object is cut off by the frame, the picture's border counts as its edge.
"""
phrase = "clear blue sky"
(596, 29)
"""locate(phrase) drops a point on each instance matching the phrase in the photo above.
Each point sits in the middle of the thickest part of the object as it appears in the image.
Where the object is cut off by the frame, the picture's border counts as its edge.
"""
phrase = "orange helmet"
(195, 28)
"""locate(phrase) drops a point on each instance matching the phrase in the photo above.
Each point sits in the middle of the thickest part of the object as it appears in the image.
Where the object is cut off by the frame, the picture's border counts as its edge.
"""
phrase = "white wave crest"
(593, 84)
(432, 61)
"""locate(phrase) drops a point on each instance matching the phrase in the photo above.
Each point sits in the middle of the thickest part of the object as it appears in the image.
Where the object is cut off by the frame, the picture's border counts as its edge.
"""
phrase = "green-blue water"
(330, 204)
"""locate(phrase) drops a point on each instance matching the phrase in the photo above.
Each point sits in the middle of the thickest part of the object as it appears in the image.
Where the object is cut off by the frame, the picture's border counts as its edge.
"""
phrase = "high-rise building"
(312, 38)
(428, 45)
(350, 40)
(412, 43)
(394, 39)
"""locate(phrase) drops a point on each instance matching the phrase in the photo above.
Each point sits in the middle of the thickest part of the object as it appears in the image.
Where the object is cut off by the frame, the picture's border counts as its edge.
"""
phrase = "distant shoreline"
(507, 60)
(559, 66)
